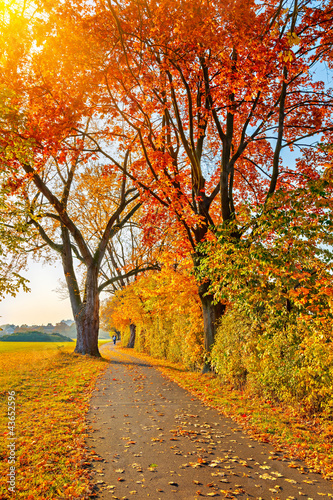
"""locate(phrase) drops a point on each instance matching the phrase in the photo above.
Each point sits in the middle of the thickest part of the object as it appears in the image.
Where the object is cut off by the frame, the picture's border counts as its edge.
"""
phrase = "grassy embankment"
(298, 435)
(52, 391)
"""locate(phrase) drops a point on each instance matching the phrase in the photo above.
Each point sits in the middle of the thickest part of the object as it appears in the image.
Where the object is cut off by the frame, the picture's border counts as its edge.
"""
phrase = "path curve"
(151, 438)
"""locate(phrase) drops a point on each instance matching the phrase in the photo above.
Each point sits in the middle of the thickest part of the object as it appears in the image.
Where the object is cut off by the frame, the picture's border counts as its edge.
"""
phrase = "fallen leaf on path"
(267, 476)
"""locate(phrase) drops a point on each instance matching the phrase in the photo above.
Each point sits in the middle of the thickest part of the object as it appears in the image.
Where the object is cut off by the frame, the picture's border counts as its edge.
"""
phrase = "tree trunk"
(87, 318)
(116, 332)
(211, 314)
(131, 341)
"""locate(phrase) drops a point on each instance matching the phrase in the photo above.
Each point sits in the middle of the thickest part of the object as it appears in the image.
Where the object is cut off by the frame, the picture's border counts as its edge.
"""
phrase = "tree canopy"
(206, 122)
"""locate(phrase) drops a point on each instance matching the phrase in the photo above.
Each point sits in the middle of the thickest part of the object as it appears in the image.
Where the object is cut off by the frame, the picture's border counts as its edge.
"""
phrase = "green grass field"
(51, 388)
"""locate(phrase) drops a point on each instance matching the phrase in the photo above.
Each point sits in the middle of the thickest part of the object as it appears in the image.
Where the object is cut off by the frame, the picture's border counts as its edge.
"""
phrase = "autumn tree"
(210, 96)
(55, 184)
(165, 308)
(206, 96)
(126, 258)
(59, 202)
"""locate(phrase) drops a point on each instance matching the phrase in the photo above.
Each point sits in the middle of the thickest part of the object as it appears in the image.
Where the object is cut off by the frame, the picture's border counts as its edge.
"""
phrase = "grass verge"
(299, 436)
(52, 388)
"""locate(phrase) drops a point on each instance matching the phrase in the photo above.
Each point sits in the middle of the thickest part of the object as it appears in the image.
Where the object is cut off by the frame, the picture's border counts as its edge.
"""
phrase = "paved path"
(154, 439)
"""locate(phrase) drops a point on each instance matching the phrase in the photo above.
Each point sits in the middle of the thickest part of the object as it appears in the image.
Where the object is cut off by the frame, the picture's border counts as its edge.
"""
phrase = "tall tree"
(205, 95)
(57, 188)
(210, 95)
(59, 203)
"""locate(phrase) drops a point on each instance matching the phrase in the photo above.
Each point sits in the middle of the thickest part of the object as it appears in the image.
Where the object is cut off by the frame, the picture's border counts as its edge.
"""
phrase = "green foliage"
(281, 258)
(13, 233)
(231, 352)
(291, 362)
(276, 338)
(35, 336)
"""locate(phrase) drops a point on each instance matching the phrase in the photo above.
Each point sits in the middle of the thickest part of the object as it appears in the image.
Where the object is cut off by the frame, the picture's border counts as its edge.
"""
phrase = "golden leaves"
(54, 389)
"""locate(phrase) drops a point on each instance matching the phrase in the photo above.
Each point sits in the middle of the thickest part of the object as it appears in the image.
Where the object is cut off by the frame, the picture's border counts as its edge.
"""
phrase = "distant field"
(35, 347)
(52, 388)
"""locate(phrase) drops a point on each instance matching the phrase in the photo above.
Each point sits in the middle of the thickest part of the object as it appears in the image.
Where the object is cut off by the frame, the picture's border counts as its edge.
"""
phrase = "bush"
(173, 337)
(290, 361)
(231, 353)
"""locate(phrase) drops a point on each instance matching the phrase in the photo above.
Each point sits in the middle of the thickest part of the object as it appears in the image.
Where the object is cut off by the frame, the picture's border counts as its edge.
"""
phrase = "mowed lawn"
(52, 389)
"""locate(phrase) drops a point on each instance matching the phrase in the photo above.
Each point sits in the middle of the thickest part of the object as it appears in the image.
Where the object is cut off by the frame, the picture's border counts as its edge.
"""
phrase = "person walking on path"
(114, 338)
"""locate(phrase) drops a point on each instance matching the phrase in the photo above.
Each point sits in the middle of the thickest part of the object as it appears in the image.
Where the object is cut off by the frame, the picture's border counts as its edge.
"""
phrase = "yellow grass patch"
(50, 387)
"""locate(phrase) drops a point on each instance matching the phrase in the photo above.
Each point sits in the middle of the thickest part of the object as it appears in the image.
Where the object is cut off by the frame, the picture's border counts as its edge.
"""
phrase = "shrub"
(291, 361)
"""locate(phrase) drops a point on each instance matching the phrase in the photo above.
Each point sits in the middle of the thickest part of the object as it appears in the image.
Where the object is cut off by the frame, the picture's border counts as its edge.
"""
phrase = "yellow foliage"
(165, 307)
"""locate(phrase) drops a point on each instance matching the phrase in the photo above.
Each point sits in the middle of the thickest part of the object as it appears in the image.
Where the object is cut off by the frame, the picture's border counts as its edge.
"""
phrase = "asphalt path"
(151, 438)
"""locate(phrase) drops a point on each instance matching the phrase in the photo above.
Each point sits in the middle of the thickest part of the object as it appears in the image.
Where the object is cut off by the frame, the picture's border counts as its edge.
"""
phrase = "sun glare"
(10, 8)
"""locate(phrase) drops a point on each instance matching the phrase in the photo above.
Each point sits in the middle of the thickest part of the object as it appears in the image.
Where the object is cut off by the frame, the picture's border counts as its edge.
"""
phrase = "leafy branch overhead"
(143, 139)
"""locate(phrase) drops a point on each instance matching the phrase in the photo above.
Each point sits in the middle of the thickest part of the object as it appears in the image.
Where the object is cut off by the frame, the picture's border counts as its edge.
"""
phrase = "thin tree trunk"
(211, 314)
(131, 341)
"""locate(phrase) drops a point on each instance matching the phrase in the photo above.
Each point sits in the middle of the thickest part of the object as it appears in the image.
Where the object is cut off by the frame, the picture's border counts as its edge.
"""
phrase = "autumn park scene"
(175, 159)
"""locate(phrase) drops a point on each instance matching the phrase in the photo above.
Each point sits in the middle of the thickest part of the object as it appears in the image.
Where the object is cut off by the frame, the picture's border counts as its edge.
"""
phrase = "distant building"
(68, 322)
(7, 329)
(49, 327)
